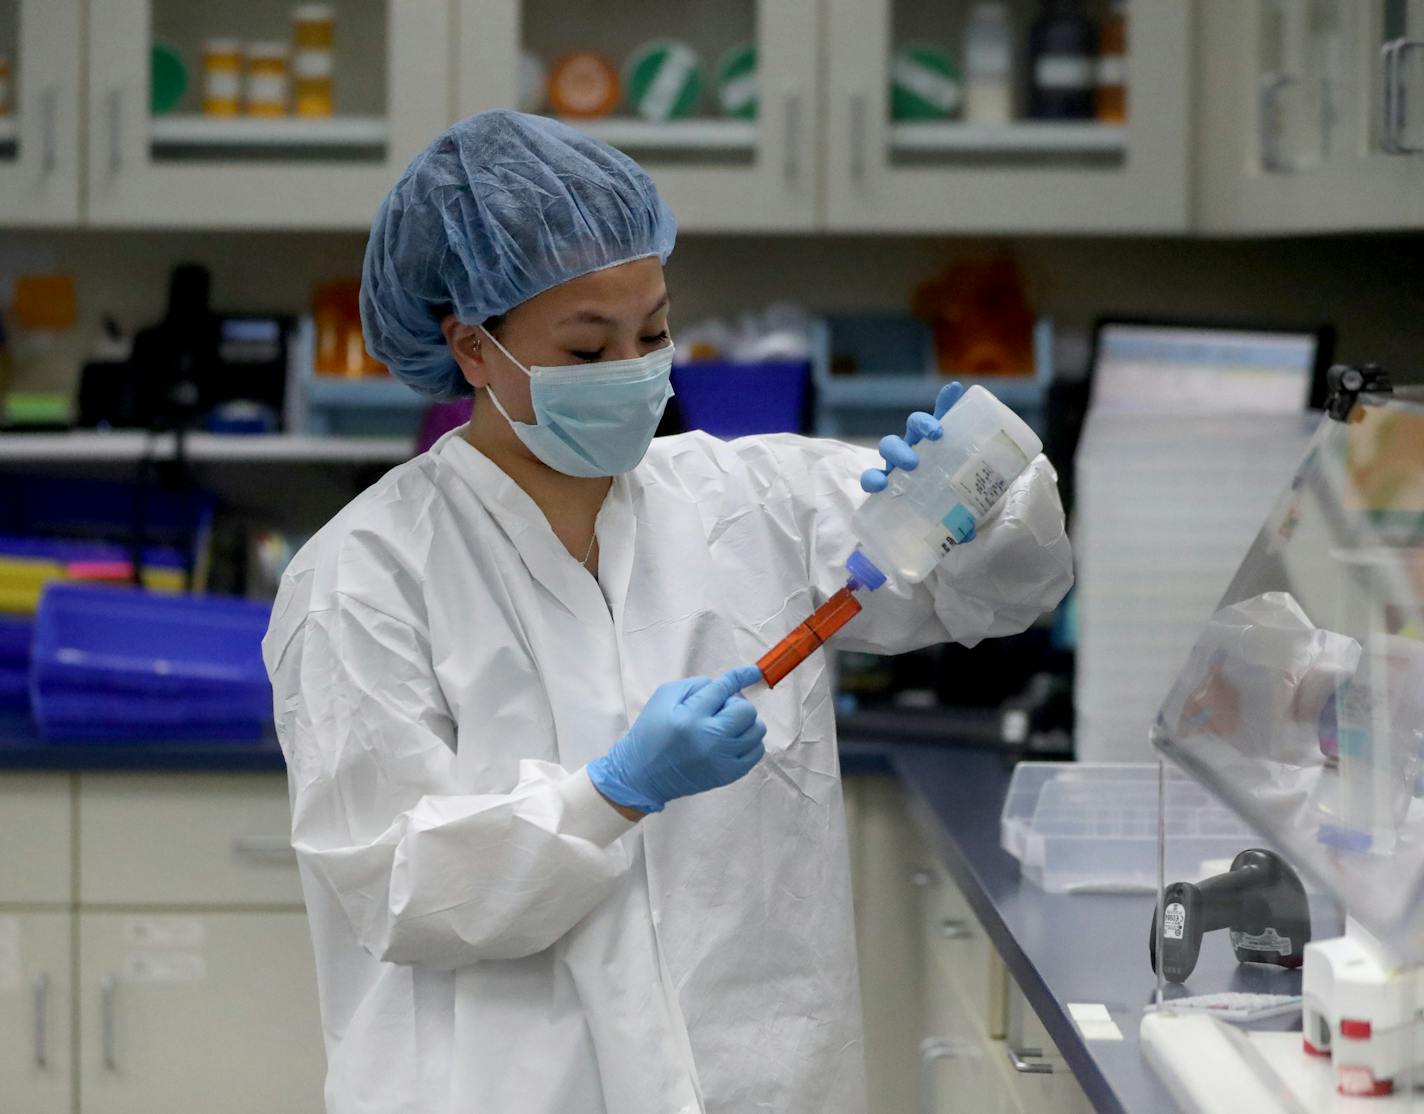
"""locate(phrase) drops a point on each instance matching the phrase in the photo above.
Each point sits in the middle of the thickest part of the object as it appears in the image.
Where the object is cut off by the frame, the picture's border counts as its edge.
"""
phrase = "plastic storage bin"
(114, 663)
(1088, 827)
(15, 634)
(734, 399)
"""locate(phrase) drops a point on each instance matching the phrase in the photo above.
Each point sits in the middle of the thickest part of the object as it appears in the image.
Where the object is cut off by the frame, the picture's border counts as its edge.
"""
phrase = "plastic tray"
(115, 663)
(732, 400)
(1092, 827)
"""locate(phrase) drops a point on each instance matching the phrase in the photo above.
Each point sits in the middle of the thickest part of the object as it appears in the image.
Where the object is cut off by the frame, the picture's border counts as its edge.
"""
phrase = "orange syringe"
(835, 613)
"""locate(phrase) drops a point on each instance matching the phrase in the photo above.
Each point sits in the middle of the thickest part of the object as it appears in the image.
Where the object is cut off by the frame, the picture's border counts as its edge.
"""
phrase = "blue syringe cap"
(864, 572)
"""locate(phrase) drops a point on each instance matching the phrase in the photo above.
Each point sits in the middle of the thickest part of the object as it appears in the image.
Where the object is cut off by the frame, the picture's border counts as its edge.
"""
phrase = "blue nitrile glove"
(694, 735)
(897, 451)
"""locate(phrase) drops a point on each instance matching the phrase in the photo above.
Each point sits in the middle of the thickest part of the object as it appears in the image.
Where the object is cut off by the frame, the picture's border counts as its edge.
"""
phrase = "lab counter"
(1059, 949)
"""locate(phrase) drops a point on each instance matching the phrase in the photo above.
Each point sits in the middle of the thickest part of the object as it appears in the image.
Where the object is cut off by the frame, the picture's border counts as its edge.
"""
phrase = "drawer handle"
(1022, 1060)
(952, 928)
(268, 850)
(42, 1021)
(108, 1022)
(933, 1050)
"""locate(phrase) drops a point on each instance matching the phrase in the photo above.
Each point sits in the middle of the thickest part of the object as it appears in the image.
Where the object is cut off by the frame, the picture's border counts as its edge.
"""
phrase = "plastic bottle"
(1062, 53)
(313, 39)
(222, 77)
(905, 530)
(268, 79)
(988, 65)
(1111, 96)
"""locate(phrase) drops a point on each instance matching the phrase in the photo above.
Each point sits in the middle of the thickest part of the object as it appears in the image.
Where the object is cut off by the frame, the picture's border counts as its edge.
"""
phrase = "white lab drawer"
(186, 839)
(958, 949)
(36, 845)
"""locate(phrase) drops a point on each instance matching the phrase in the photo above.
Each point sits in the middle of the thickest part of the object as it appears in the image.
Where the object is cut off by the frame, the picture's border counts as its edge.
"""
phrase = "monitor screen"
(1187, 369)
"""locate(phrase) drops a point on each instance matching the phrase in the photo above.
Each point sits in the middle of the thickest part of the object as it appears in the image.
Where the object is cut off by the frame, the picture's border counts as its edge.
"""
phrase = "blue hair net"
(499, 208)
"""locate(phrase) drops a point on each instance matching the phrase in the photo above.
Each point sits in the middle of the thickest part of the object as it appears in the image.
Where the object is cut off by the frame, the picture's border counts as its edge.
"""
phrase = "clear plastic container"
(1092, 827)
(906, 529)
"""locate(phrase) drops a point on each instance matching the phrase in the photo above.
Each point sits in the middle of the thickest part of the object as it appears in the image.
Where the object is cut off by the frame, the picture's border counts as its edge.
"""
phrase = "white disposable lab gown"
(491, 936)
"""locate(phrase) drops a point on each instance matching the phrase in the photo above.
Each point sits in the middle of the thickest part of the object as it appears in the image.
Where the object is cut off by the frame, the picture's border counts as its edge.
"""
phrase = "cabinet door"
(39, 132)
(36, 1056)
(213, 1012)
(717, 170)
(1293, 131)
(1029, 1068)
(36, 842)
(390, 68)
(918, 175)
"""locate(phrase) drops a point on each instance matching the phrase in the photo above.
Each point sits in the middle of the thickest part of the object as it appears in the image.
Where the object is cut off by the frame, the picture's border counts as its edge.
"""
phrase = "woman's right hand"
(694, 735)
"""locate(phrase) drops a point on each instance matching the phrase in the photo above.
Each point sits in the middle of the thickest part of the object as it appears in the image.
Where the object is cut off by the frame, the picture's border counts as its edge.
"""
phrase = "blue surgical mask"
(593, 419)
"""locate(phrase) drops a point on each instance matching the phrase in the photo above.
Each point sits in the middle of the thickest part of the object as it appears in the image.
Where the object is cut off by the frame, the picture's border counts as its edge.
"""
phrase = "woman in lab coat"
(548, 867)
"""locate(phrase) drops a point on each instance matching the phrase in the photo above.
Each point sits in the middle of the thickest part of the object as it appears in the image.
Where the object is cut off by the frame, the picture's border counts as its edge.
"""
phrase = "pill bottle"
(222, 77)
(1111, 93)
(988, 65)
(268, 84)
(906, 529)
(1063, 49)
(583, 84)
(313, 59)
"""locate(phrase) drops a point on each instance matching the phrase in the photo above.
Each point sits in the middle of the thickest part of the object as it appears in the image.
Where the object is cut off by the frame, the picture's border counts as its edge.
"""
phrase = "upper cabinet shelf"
(771, 116)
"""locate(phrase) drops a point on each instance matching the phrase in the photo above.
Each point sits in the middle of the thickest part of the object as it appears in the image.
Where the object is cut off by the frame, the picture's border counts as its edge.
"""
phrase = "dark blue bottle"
(1062, 52)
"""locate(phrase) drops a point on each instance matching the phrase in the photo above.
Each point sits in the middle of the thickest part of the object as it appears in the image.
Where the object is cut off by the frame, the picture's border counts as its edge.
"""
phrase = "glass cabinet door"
(39, 111)
(259, 112)
(1007, 115)
(716, 101)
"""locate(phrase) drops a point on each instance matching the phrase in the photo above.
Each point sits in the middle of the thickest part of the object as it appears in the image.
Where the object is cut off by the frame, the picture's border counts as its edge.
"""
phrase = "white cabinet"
(39, 136)
(35, 994)
(36, 844)
(889, 176)
(214, 1012)
(1311, 115)
(391, 75)
(717, 172)
(946, 1028)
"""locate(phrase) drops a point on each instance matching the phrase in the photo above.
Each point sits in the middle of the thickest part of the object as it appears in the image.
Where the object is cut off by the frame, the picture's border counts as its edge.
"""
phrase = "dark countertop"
(1063, 948)
(22, 749)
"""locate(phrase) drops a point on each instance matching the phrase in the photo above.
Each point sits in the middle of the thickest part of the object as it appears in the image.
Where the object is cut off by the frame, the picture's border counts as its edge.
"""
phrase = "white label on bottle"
(163, 932)
(1112, 70)
(1174, 921)
(10, 964)
(982, 481)
(222, 85)
(164, 967)
(1064, 72)
(988, 61)
(738, 92)
(930, 86)
(312, 63)
(267, 89)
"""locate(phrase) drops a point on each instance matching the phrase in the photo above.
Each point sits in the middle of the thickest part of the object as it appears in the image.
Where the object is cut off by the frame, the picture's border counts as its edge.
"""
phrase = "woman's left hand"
(898, 451)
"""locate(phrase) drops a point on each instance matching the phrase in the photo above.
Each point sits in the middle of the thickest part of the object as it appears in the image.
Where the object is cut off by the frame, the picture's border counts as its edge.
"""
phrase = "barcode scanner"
(1260, 900)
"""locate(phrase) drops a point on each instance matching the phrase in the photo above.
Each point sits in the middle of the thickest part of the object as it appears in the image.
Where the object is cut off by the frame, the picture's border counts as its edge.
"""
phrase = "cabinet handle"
(1393, 55)
(108, 1022)
(269, 850)
(42, 1021)
(952, 928)
(49, 148)
(1270, 123)
(932, 1051)
(115, 102)
(792, 139)
(1020, 1059)
(857, 135)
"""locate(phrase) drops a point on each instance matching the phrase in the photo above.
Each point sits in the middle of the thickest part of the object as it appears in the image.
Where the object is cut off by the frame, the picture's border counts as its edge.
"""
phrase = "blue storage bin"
(732, 400)
(117, 663)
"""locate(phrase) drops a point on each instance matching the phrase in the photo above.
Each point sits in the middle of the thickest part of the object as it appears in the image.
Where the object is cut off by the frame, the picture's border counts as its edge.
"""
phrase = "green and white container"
(924, 84)
(737, 93)
(664, 80)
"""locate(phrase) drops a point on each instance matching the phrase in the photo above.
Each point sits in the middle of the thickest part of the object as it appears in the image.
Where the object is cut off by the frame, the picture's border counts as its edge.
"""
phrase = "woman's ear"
(467, 347)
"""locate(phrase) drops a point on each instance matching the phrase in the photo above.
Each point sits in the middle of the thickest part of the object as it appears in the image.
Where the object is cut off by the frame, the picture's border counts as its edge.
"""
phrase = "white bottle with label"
(906, 529)
(988, 65)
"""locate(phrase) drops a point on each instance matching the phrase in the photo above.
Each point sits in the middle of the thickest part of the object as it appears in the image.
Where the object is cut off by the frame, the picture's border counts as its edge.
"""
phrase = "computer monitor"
(1186, 368)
